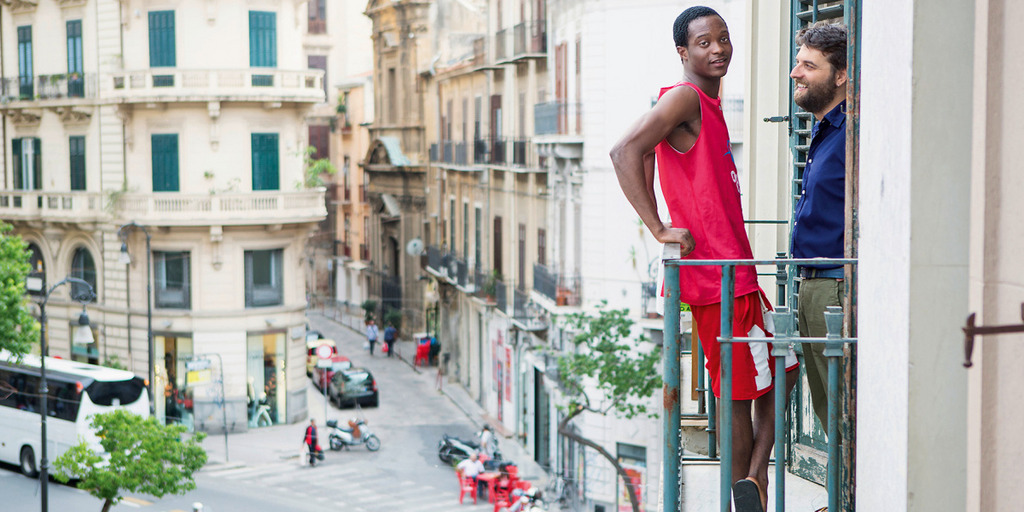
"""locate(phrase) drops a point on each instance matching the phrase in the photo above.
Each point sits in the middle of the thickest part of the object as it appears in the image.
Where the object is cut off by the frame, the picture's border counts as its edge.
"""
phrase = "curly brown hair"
(829, 39)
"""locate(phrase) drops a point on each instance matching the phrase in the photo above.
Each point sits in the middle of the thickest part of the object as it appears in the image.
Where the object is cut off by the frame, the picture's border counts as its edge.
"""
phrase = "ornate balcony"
(254, 84)
(244, 208)
(52, 206)
(47, 90)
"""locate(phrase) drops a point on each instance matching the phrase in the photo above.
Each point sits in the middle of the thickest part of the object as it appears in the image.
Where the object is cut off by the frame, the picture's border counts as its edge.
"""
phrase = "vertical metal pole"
(783, 332)
(149, 324)
(712, 423)
(702, 400)
(44, 473)
(223, 405)
(833, 351)
(670, 364)
(725, 338)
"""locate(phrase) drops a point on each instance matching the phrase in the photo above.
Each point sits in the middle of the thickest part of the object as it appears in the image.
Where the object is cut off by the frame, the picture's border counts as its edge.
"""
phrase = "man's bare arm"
(632, 157)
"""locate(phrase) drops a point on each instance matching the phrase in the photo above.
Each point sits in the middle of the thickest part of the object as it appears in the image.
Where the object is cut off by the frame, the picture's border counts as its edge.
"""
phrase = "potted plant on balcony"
(490, 285)
(316, 168)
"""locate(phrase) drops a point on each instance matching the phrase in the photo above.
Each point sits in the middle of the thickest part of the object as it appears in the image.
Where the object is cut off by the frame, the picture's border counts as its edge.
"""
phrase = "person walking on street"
(371, 334)
(389, 338)
(312, 443)
(819, 87)
(686, 132)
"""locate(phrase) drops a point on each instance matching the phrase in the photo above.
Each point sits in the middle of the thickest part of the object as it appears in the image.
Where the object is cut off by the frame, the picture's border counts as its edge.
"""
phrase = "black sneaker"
(746, 496)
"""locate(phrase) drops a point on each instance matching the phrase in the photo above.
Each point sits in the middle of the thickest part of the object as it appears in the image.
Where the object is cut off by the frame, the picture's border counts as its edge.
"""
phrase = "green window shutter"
(37, 164)
(76, 150)
(76, 83)
(19, 183)
(161, 39)
(262, 39)
(25, 74)
(265, 171)
(165, 162)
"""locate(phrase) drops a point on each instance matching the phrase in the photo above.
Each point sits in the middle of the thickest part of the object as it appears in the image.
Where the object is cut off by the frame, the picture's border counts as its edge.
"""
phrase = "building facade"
(122, 134)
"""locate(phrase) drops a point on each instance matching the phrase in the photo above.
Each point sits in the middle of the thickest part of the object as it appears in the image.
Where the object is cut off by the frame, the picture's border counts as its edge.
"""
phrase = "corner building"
(181, 122)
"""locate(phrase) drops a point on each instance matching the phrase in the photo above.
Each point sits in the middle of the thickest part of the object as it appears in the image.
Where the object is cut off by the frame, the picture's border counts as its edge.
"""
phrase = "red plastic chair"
(466, 486)
(501, 498)
(422, 354)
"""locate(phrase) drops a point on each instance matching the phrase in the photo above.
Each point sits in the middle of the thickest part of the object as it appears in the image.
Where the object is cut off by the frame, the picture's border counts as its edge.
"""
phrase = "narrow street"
(263, 472)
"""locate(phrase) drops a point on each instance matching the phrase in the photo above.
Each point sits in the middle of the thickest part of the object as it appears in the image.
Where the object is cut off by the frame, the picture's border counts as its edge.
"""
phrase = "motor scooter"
(453, 450)
(357, 433)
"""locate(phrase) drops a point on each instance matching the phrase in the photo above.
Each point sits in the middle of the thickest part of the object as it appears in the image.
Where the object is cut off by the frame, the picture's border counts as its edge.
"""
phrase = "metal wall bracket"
(971, 330)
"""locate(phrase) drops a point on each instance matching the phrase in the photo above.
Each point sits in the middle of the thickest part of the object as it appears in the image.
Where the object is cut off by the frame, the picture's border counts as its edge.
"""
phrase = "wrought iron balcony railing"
(563, 289)
(557, 118)
(530, 38)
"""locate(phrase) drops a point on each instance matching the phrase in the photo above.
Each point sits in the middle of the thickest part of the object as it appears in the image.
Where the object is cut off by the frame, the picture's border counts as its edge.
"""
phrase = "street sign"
(197, 377)
(197, 364)
(324, 352)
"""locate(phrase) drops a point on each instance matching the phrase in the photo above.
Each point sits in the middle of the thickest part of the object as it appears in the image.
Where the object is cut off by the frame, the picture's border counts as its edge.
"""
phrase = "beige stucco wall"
(996, 276)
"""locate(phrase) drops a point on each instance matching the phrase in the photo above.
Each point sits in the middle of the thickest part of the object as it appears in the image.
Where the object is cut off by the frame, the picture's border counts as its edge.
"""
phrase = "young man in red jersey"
(686, 132)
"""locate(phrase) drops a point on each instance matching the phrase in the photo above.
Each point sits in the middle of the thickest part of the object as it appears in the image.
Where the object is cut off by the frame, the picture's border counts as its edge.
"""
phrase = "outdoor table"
(491, 478)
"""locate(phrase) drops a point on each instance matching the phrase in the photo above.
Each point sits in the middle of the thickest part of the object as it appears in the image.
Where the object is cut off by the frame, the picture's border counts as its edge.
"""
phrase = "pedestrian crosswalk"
(353, 488)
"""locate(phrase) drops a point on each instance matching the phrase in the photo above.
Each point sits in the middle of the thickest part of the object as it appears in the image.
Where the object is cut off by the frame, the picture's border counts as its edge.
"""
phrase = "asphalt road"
(263, 472)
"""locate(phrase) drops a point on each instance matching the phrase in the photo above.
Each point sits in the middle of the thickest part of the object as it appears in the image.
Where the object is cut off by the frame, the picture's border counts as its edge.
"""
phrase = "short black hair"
(827, 38)
(681, 28)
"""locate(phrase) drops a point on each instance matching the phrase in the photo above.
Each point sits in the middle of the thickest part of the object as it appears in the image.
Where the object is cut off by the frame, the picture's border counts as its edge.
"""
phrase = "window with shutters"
(25, 77)
(76, 82)
(164, 155)
(497, 244)
(521, 278)
(76, 157)
(320, 140)
(162, 52)
(28, 163)
(265, 162)
(263, 278)
(478, 238)
(262, 45)
(84, 268)
(317, 16)
(542, 246)
(171, 280)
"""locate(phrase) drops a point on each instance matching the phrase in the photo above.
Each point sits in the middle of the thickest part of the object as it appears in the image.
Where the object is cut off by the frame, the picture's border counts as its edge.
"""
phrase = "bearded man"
(819, 82)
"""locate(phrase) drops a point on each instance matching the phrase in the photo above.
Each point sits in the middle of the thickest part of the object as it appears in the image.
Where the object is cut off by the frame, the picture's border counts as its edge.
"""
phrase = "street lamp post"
(125, 259)
(82, 334)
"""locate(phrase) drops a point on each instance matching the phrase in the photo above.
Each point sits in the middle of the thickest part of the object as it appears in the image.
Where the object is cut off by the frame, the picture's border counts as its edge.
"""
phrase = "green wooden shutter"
(161, 39)
(262, 45)
(165, 162)
(37, 164)
(19, 183)
(265, 171)
(76, 83)
(25, 74)
(76, 150)
(262, 39)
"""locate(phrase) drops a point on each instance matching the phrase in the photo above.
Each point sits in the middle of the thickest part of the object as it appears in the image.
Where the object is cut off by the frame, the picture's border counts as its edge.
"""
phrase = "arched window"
(38, 269)
(82, 267)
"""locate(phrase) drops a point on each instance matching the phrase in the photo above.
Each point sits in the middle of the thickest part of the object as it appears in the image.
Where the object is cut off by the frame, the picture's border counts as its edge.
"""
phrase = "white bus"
(76, 392)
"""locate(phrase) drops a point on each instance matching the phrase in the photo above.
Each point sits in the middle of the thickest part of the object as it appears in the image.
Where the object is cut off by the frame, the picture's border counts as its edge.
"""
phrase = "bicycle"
(562, 490)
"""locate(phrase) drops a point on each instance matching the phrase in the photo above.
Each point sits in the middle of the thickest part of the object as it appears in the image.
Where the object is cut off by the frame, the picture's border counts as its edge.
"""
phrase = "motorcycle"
(453, 450)
(357, 433)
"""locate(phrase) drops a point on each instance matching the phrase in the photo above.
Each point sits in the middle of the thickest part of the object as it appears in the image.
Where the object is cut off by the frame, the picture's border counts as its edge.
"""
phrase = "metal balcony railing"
(480, 155)
(530, 38)
(501, 295)
(498, 151)
(434, 258)
(501, 44)
(317, 26)
(553, 118)
(252, 84)
(456, 153)
(364, 252)
(785, 336)
(563, 289)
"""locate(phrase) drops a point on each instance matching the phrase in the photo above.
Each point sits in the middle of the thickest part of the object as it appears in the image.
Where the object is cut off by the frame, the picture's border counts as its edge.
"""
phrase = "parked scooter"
(453, 450)
(357, 433)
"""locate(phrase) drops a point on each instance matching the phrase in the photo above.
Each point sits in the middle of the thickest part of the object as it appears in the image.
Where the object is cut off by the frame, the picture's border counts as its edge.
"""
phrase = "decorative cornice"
(71, 3)
(22, 117)
(21, 6)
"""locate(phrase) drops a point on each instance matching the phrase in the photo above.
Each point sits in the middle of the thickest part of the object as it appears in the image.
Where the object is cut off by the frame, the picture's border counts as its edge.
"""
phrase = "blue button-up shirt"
(820, 218)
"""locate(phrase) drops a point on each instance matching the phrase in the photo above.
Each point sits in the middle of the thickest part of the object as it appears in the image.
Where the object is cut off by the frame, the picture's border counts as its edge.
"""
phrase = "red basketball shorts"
(753, 366)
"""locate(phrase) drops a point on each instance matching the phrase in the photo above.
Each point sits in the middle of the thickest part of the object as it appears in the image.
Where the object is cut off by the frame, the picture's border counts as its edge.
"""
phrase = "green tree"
(609, 372)
(144, 456)
(18, 329)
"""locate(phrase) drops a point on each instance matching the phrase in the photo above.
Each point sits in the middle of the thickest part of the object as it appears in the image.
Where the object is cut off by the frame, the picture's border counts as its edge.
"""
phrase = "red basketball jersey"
(702, 192)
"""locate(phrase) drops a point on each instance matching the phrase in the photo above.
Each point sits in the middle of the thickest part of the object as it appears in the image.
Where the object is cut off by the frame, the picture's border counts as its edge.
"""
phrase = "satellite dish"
(414, 247)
